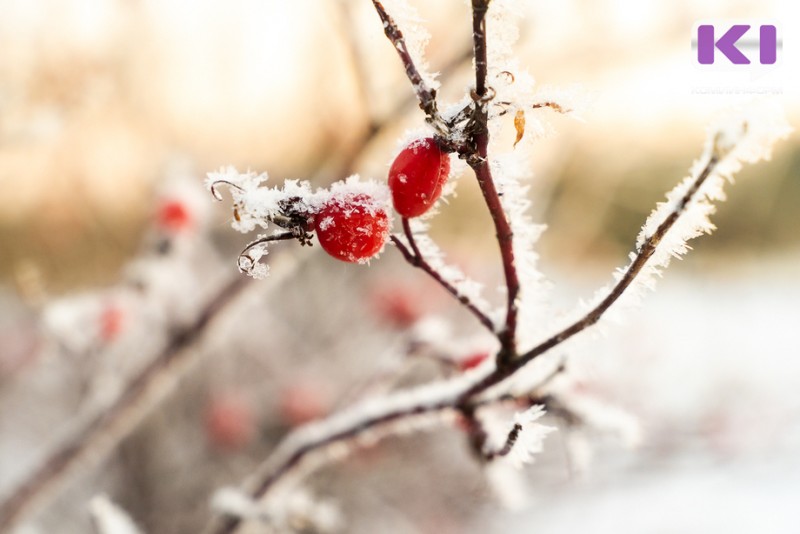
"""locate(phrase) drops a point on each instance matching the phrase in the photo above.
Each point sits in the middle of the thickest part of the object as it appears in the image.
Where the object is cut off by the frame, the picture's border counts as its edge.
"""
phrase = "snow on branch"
(108, 518)
(524, 440)
(410, 46)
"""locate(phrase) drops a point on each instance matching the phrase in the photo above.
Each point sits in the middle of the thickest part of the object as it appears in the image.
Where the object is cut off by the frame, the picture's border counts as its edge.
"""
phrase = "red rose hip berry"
(417, 176)
(352, 228)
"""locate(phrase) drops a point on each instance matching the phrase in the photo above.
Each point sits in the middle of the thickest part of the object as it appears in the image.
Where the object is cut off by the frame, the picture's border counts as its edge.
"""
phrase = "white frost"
(109, 518)
(530, 440)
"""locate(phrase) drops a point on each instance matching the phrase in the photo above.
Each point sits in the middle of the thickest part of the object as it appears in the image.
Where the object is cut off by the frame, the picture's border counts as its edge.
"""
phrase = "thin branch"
(555, 106)
(643, 254)
(480, 164)
(376, 127)
(415, 258)
(511, 440)
(101, 434)
(458, 397)
(425, 94)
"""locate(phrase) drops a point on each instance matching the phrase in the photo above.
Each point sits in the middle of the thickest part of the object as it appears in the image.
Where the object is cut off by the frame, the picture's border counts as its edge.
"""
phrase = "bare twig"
(415, 258)
(425, 94)
(479, 161)
(643, 254)
(101, 434)
(511, 440)
(555, 106)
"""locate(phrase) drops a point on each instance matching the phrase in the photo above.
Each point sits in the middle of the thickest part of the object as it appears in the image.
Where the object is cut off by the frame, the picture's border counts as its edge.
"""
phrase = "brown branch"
(415, 258)
(643, 254)
(555, 106)
(479, 161)
(511, 440)
(425, 94)
(101, 434)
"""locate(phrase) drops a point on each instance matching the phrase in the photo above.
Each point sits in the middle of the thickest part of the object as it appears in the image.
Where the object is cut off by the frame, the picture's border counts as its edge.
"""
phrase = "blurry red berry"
(472, 361)
(229, 422)
(397, 306)
(352, 228)
(173, 216)
(303, 402)
(417, 175)
(112, 320)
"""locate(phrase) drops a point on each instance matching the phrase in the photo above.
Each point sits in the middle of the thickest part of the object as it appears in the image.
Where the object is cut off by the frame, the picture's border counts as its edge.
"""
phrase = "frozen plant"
(496, 392)
(517, 376)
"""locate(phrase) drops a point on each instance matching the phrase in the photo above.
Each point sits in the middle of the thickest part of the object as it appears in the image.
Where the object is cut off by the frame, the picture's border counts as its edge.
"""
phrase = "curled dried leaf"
(519, 125)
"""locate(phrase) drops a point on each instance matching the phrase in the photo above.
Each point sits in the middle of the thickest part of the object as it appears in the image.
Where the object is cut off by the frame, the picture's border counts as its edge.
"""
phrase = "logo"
(719, 43)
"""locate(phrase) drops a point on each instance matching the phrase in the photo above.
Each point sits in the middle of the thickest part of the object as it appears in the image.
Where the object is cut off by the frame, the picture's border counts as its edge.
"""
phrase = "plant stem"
(425, 94)
(480, 165)
(415, 258)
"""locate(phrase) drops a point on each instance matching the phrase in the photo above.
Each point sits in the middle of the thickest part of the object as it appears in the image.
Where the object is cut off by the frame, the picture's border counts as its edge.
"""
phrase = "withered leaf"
(519, 125)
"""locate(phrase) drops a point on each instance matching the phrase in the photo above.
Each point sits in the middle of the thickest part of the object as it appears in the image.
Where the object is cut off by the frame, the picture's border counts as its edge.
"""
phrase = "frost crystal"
(415, 34)
(531, 436)
(508, 170)
(110, 518)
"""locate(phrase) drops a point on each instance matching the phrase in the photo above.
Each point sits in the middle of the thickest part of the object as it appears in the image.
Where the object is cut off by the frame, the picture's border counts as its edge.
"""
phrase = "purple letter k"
(726, 44)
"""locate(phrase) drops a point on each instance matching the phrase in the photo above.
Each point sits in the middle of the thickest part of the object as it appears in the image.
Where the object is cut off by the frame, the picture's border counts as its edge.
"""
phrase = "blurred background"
(103, 103)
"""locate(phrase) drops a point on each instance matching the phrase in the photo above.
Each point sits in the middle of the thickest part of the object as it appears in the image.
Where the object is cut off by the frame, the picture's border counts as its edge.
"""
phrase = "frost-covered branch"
(362, 425)
(415, 258)
(425, 93)
(479, 161)
(726, 149)
(95, 440)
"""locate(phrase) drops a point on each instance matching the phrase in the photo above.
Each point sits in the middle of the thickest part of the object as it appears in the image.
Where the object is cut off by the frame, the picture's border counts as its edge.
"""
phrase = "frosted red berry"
(174, 216)
(417, 176)
(352, 228)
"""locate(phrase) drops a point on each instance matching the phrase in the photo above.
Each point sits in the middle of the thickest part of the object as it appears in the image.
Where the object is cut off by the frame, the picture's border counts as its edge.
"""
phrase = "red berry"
(304, 401)
(417, 176)
(397, 306)
(173, 216)
(352, 228)
(472, 361)
(111, 323)
(229, 422)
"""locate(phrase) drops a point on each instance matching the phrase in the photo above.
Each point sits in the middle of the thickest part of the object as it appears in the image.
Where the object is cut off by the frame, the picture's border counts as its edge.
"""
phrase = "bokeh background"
(101, 100)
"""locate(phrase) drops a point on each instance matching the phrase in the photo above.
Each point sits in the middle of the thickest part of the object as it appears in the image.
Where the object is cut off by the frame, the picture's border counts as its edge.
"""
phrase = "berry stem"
(479, 162)
(415, 258)
(641, 255)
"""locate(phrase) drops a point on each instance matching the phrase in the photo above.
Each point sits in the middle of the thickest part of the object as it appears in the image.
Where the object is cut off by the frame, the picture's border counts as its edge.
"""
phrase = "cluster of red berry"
(349, 230)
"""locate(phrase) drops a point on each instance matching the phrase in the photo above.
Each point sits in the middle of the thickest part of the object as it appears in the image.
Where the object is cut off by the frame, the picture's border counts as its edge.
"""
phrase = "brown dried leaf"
(519, 125)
